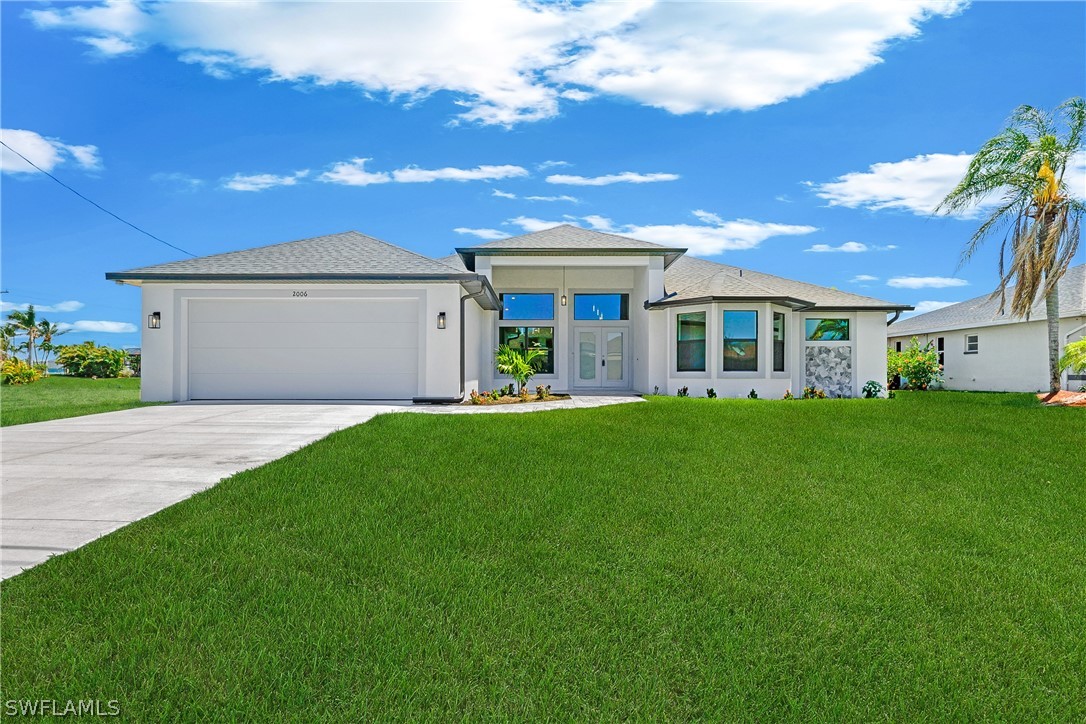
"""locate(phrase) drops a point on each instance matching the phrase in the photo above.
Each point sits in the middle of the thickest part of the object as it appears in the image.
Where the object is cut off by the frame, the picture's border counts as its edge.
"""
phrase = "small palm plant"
(520, 364)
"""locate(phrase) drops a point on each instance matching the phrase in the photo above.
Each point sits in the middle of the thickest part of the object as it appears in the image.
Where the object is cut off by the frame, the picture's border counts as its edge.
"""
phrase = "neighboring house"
(981, 349)
(347, 316)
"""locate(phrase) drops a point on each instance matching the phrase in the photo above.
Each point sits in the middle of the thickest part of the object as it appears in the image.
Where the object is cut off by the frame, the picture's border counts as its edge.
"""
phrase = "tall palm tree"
(26, 323)
(1026, 163)
(47, 332)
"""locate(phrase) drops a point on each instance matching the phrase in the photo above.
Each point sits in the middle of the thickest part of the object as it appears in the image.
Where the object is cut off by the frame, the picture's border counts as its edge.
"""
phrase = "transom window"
(517, 305)
(827, 330)
(740, 341)
(601, 307)
(690, 342)
(778, 342)
(522, 338)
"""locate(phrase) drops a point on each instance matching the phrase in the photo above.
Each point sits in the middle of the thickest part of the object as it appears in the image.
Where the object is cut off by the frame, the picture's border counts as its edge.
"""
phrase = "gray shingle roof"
(348, 254)
(568, 239)
(690, 279)
(983, 311)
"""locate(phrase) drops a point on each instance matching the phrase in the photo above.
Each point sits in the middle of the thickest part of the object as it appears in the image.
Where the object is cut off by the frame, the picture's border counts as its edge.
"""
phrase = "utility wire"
(94, 204)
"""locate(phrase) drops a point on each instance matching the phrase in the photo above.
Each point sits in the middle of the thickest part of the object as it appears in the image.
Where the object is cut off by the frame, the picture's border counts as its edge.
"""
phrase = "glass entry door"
(601, 359)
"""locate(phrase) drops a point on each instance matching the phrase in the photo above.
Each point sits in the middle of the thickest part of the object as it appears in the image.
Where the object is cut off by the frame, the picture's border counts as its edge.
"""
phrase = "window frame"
(722, 367)
(846, 319)
(774, 314)
(976, 344)
(527, 292)
(705, 342)
(525, 327)
(624, 304)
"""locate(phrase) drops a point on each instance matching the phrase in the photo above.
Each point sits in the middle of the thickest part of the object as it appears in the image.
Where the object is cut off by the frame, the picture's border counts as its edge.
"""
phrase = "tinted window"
(778, 342)
(690, 345)
(601, 306)
(740, 341)
(541, 338)
(527, 306)
(827, 330)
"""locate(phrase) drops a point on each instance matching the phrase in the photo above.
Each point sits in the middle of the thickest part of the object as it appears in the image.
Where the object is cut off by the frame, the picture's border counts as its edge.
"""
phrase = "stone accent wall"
(830, 367)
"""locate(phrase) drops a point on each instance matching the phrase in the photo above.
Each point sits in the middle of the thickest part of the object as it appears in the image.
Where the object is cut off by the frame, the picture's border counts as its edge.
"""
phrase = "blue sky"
(798, 139)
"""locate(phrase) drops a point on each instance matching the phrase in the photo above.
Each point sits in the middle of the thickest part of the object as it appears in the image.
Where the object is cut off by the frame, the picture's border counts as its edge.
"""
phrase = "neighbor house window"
(972, 344)
(541, 338)
(601, 307)
(690, 342)
(741, 341)
(897, 346)
(778, 342)
(827, 330)
(516, 305)
(940, 345)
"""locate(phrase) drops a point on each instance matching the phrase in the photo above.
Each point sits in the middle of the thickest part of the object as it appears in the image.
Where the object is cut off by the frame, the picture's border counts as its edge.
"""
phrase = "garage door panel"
(302, 311)
(301, 349)
(233, 386)
(266, 335)
(327, 360)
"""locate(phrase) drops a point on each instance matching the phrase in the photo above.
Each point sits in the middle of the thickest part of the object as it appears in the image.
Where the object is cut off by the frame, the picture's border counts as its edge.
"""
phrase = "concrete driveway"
(67, 482)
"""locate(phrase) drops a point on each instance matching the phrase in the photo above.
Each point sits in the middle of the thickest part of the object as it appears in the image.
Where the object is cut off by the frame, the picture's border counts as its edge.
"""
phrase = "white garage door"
(303, 349)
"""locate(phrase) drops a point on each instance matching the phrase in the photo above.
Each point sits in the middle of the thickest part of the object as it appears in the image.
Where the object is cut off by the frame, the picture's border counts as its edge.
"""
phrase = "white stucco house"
(347, 316)
(981, 349)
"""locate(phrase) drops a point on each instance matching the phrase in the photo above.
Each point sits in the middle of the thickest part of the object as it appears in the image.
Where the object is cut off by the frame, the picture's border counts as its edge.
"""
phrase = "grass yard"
(57, 396)
(922, 558)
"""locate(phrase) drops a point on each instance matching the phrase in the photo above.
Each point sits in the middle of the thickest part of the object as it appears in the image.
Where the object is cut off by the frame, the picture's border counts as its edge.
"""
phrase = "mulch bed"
(514, 400)
(1063, 398)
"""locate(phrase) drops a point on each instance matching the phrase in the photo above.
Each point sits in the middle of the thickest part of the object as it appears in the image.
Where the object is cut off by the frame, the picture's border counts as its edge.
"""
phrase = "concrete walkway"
(67, 482)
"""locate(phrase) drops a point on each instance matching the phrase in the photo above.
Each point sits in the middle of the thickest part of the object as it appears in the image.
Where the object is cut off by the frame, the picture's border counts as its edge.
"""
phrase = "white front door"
(600, 357)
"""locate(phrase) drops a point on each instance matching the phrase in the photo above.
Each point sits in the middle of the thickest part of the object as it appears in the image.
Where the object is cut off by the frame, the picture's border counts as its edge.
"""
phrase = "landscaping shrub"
(683, 392)
(873, 388)
(90, 360)
(17, 372)
(813, 393)
(917, 366)
(710, 393)
(753, 394)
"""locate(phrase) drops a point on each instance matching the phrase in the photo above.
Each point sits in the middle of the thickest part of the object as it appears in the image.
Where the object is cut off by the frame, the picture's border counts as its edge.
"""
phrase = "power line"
(94, 204)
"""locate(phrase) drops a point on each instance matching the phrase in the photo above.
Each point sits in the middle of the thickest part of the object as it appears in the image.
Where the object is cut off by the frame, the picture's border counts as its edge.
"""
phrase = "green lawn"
(922, 558)
(54, 397)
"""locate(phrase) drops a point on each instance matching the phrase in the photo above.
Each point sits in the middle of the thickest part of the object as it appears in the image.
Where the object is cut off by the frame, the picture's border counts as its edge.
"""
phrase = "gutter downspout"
(454, 400)
(896, 315)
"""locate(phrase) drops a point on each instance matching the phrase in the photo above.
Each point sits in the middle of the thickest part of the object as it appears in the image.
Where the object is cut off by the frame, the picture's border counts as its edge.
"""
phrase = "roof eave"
(468, 253)
(792, 302)
(131, 276)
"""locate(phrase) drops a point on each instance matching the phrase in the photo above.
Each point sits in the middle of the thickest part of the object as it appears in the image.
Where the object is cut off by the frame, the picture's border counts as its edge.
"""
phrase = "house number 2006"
(300, 294)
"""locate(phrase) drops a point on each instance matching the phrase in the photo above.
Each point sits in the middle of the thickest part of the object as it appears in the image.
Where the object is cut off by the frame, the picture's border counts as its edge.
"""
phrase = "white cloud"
(354, 173)
(850, 247)
(180, 181)
(916, 184)
(708, 217)
(863, 278)
(69, 306)
(683, 57)
(926, 282)
(89, 325)
(413, 174)
(626, 177)
(551, 164)
(488, 234)
(507, 195)
(46, 153)
(570, 199)
(262, 181)
(700, 240)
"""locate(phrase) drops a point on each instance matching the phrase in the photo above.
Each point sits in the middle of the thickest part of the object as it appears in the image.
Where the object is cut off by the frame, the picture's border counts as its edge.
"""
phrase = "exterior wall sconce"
(563, 300)
(563, 286)
(154, 320)
(441, 320)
